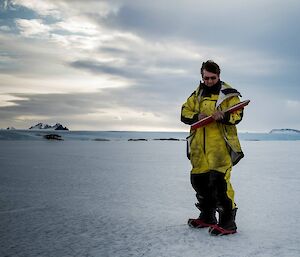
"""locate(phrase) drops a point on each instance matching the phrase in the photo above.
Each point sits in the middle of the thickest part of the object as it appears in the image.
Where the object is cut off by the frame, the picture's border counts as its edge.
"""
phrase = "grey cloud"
(264, 25)
(64, 107)
(68, 104)
(167, 86)
(101, 68)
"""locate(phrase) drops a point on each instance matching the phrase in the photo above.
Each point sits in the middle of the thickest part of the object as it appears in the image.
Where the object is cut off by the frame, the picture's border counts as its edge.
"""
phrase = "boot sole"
(193, 223)
(215, 230)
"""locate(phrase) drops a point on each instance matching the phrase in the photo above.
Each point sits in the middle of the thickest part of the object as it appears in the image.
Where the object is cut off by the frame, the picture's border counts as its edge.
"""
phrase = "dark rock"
(60, 127)
(101, 139)
(137, 139)
(53, 137)
(167, 139)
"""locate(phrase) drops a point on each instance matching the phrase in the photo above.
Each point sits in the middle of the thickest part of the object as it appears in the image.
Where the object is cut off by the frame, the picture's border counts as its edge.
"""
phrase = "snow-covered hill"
(285, 131)
(40, 125)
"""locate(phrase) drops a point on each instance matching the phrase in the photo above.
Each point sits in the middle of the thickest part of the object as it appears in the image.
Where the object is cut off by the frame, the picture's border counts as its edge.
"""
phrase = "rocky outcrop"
(137, 139)
(53, 137)
(167, 139)
(101, 139)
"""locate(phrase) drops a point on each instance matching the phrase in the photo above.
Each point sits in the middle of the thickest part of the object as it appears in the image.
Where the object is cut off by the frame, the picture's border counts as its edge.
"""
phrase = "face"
(210, 78)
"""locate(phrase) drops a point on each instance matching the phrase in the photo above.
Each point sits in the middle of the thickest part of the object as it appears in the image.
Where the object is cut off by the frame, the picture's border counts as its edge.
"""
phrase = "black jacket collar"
(213, 90)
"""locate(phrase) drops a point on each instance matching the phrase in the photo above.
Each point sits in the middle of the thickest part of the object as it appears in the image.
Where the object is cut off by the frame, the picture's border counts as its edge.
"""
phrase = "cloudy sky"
(130, 64)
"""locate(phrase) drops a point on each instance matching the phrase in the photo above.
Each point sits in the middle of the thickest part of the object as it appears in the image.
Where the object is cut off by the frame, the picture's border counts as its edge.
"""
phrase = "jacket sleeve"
(235, 117)
(188, 113)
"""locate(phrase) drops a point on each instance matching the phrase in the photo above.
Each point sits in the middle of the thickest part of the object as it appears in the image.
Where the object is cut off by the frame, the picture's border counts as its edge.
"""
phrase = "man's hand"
(218, 115)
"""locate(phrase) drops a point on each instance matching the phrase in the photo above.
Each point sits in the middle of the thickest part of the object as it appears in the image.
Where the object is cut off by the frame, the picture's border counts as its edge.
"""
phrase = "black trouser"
(211, 191)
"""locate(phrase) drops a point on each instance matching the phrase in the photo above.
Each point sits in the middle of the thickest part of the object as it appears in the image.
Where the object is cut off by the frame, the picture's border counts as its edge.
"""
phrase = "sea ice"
(119, 198)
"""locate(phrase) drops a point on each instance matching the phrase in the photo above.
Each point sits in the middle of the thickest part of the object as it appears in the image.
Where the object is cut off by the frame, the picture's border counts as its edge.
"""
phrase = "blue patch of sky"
(9, 14)
(17, 12)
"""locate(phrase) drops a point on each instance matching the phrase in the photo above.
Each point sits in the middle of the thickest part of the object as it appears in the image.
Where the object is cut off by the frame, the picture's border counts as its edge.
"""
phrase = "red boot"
(206, 219)
(226, 225)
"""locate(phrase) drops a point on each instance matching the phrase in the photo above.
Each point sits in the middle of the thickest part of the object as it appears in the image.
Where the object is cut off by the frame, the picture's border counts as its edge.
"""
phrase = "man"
(213, 150)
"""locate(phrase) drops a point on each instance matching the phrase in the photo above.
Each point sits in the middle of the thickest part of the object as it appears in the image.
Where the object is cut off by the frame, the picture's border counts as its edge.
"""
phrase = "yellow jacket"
(215, 146)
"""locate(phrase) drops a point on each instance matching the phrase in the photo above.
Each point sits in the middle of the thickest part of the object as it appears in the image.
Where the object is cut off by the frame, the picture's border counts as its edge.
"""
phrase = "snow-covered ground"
(120, 198)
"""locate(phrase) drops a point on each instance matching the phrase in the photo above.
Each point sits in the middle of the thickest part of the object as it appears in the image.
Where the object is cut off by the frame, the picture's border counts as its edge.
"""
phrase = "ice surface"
(126, 135)
(119, 198)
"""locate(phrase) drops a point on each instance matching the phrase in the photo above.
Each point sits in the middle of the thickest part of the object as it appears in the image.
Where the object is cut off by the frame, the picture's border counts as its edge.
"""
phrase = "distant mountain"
(284, 131)
(43, 126)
